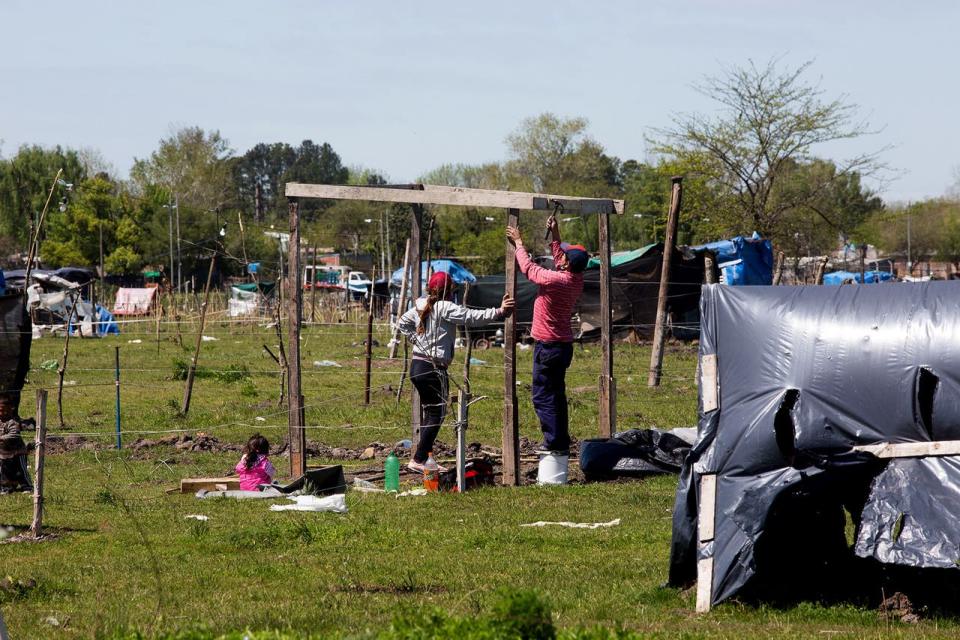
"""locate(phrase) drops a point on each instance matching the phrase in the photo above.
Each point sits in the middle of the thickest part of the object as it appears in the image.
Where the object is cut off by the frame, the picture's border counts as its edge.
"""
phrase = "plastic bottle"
(391, 473)
(431, 474)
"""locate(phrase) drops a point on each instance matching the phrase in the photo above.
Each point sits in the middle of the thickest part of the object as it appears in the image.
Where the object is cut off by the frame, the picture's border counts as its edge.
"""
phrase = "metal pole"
(116, 361)
(659, 334)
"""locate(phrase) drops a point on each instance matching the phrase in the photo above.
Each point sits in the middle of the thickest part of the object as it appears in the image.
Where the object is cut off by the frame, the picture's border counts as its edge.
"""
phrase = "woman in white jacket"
(431, 326)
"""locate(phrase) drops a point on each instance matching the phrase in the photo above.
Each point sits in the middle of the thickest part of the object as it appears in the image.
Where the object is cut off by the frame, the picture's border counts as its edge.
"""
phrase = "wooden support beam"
(659, 332)
(36, 527)
(295, 413)
(706, 529)
(511, 431)
(912, 449)
(608, 385)
(455, 196)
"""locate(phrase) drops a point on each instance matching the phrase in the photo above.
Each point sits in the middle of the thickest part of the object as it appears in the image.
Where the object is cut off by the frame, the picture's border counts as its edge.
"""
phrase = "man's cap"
(577, 256)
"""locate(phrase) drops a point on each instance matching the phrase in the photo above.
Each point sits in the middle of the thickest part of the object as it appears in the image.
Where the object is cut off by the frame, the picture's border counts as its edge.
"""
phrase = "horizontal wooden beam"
(912, 449)
(456, 196)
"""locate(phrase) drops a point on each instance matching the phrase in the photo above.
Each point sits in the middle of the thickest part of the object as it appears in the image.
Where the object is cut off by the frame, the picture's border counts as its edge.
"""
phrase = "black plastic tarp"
(803, 375)
(634, 289)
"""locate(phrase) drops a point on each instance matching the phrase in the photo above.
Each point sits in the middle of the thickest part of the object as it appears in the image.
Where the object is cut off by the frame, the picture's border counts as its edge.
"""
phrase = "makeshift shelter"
(249, 298)
(813, 401)
(457, 271)
(839, 277)
(742, 261)
(134, 302)
(56, 301)
(635, 283)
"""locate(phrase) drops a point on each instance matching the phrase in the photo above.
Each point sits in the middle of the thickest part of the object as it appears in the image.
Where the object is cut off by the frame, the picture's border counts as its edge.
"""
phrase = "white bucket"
(552, 468)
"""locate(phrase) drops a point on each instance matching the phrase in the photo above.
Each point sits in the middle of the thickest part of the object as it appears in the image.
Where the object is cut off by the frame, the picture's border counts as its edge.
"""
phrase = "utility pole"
(173, 274)
(176, 205)
(103, 294)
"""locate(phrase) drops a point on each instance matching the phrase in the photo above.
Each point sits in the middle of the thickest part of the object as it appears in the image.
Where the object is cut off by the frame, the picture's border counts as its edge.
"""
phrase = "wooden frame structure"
(419, 195)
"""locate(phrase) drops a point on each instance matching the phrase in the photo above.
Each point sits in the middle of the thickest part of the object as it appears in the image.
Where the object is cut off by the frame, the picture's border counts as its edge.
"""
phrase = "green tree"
(769, 120)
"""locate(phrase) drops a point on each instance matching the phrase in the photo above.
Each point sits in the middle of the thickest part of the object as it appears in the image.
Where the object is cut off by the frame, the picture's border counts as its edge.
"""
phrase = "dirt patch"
(400, 589)
(898, 607)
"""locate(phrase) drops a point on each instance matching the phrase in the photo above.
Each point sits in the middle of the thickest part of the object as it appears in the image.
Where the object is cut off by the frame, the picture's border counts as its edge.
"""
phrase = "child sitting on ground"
(254, 467)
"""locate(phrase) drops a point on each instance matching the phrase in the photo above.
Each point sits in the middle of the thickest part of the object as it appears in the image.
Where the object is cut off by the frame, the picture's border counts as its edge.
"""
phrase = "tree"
(769, 120)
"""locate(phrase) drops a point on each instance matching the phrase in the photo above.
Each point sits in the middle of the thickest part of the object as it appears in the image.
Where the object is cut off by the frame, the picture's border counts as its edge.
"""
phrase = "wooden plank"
(416, 290)
(705, 534)
(511, 431)
(455, 196)
(912, 449)
(709, 387)
(297, 434)
(659, 336)
(607, 387)
(192, 485)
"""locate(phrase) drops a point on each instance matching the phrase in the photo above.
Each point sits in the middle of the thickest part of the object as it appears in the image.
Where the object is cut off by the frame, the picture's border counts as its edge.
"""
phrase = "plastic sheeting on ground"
(336, 503)
(791, 379)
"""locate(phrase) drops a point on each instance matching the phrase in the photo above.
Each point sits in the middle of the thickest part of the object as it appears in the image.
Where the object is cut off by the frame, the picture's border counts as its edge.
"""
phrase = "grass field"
(127, 561)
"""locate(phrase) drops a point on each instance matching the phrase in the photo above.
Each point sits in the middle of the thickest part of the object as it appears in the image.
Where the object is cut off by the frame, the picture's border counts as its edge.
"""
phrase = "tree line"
(750, 165)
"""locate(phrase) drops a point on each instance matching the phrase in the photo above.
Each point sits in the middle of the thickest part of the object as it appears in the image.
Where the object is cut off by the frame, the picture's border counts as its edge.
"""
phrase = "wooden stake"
(401, 302)
(863, 266)
(63, 365)
(369, 353)
(659, 332)
(416, 289)
(41, 442)
(298, 436)
(821, 269)
(608, 385)
(511, 431)
(188, 390)
(778, 268)
(313, 287)
(35, 241)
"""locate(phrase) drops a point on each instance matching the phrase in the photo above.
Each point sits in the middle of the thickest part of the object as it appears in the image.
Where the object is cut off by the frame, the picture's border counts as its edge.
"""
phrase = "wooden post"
(35, 240)
(369, 353)
(188, 390)
(511, 432)
(778, 268)
(709, 265)
(41, 442)
(416, 289)
(705, 535)
(821, 269)
(659, 332)
(61, 372)
(463, 404)
(313, 287)
(401, 302)
(297, 434)
(608, 385)
(863, 267)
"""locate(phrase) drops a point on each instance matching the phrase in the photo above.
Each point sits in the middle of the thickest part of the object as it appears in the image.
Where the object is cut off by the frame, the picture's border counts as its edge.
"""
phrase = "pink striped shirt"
(559, 291)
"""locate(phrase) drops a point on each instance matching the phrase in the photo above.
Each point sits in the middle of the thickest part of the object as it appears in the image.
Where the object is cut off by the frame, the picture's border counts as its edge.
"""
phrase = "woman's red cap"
(441, 281)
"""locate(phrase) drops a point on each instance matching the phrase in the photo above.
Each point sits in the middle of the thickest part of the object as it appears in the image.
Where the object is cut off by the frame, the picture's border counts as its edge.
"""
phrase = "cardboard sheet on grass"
(791, 380)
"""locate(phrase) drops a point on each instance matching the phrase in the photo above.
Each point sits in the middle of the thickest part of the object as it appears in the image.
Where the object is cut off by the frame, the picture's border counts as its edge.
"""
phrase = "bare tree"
(769, 121)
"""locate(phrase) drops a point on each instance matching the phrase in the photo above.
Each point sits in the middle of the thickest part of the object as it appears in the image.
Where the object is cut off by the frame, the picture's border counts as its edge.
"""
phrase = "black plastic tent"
(816, 402)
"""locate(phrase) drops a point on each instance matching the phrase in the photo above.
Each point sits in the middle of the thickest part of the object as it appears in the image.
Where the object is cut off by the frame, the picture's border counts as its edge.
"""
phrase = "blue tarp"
(457, 271)
(837, 277)
(742, 261)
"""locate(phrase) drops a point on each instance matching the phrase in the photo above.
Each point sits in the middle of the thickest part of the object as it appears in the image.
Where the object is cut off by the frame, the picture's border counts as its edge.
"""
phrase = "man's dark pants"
(550, 363)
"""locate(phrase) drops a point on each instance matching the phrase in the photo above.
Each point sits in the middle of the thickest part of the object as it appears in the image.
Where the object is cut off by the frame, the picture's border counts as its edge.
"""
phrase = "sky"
(403, 87)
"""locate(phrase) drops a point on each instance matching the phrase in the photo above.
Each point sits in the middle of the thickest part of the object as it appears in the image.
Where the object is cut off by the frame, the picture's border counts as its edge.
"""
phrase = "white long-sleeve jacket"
(436, 342)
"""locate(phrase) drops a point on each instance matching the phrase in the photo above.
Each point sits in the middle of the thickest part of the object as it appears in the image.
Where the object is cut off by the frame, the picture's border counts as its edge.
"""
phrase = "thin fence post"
(41, 442)
(188, 391)
(116, 353)
(659, 332)
(778, 268)
(369, 353)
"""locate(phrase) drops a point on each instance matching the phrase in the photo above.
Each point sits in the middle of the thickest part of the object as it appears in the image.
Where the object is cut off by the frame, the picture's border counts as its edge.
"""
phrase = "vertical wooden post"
(821, 269)
(608, 385)
(369, 353)
(41, 442)
(297, 434)
(863, 267)
(416, 288)
(511, 432)
(778, 268)
(709, 266)
(401, 302)
(313, 287)
(705, 535)
(659, 335)
(188, 391)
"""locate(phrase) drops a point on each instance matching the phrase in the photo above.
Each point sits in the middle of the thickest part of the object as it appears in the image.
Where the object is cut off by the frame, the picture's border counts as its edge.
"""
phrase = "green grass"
(127, 561)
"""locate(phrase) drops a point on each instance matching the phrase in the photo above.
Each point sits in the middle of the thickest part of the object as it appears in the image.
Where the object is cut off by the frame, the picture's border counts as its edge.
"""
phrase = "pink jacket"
(261, 472)
(559, 291)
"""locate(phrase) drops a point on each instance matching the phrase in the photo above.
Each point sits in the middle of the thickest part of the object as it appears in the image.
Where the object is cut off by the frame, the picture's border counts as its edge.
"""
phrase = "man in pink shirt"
(552, 312)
